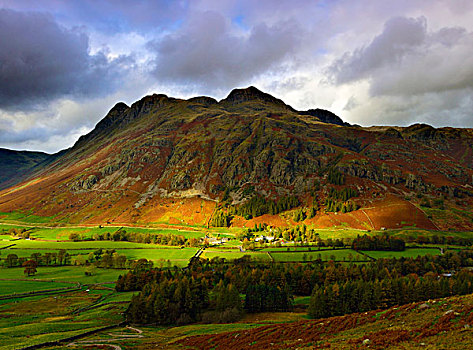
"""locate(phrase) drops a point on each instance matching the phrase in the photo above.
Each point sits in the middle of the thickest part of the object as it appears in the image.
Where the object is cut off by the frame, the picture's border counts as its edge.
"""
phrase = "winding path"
(115, 337)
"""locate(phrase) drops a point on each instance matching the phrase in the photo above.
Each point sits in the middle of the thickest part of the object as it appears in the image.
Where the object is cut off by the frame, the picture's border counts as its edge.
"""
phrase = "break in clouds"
(420, 75)
(64, 64)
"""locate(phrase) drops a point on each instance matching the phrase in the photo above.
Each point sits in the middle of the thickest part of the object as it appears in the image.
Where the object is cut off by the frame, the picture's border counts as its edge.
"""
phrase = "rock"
(424, 306)
(366, 342)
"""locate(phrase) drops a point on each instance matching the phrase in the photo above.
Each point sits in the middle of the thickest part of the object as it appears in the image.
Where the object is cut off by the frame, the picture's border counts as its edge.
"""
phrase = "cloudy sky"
(64, 64)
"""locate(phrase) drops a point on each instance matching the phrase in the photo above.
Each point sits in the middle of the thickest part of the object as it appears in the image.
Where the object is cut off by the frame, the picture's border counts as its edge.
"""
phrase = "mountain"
(15, 166)
(175, 161)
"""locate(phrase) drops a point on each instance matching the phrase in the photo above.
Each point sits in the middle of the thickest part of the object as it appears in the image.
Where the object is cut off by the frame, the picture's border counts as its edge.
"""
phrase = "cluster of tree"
(333, 205)
(258, 205)
(183, 299)
(344, 194)
(30, 267)
(99, 258)
(17, 232)
(339, 200)
(299, 215)
(221, 218)
(299, 279)
(302, 234)
(336, 177)
(441, 240)
(224, 305)
(385, 242)
(139, 237)
(107, 258)
(341, 298)
(299, 234)
(209, 290)
(170, 301)
(61, 257)
(263, 297)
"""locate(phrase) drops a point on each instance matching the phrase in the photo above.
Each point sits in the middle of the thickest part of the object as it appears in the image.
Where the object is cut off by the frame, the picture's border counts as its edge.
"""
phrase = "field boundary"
(40, 292)
(8, 246)
(370, 258)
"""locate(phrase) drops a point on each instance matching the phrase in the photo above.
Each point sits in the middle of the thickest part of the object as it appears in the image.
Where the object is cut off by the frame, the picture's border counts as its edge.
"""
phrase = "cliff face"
(163, 158)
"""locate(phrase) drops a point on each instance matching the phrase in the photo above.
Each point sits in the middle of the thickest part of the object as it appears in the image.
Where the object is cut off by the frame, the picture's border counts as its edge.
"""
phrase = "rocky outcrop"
(85, 184)
(415, 182)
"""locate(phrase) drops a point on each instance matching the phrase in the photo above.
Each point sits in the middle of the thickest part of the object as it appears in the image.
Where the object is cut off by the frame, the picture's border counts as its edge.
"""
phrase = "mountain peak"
(120, 107)
(250, 94)
(324, 116)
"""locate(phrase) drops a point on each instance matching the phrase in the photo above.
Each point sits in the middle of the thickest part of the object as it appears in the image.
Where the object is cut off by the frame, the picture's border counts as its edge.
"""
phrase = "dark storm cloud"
(41, 61)
(405, 59)
(207, 52)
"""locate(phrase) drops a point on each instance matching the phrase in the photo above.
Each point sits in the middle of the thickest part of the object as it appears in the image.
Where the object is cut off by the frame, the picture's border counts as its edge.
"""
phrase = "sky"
(65, 64)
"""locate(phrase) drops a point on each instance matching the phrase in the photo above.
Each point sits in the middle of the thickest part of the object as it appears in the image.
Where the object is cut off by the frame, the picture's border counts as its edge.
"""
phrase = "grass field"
(408, 253)
(22, 244)
(25, 217)
(290, 248)
(324, 255)
(39, 319)
(65, 273)
(11, 287)
(234, 254)
(178, 257)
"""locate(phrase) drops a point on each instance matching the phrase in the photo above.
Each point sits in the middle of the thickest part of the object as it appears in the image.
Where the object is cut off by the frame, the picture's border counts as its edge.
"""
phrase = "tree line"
(384, 243)
(341, 298)
(138, 237)
(102, 258)
(339, 288)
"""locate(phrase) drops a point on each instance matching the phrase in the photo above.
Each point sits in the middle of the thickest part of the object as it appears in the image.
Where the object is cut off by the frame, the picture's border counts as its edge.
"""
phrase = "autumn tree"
(30, 267)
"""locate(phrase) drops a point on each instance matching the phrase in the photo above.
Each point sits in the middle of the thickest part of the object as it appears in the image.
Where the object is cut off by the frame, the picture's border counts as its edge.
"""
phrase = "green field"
(25, 217)
(27, 252)
(39, 319)
(62, 233)
(234, 254)
(290, 248)
(408, 253)
(65, 273)
(324, 255)
(22, 244)
(11, 287)
(178, 257)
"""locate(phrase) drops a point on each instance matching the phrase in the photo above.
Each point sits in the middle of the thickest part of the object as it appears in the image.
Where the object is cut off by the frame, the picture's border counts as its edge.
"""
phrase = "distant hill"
(178, 161)
(16, 165)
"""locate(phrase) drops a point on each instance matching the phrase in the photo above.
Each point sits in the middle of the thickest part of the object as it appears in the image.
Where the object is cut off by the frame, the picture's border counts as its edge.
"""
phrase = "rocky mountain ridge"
(164, 159)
